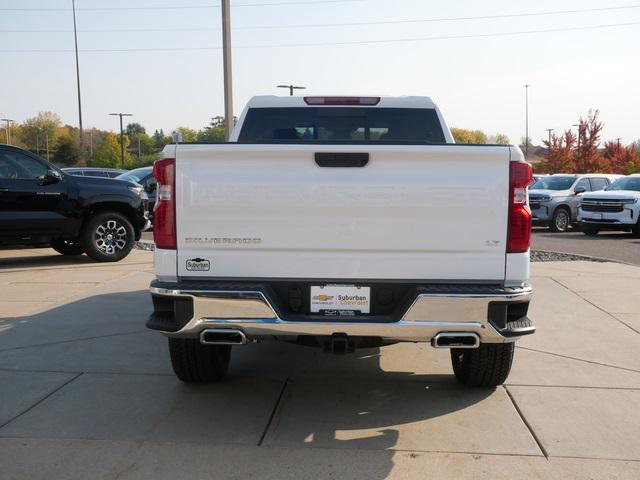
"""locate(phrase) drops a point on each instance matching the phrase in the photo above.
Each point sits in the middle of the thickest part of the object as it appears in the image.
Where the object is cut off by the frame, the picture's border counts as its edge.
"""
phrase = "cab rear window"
(341, 125)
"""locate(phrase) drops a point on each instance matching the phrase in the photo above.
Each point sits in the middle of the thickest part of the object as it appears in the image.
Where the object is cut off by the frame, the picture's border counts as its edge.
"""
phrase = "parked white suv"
(617, 208)
(554, 199)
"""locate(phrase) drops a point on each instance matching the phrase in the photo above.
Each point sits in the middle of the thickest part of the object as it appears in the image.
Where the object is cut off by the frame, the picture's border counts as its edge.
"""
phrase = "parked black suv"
(40, 204)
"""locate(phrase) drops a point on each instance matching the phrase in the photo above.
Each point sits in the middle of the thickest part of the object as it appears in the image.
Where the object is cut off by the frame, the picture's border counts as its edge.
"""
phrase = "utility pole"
(226, 60)
(75, 38)
(549, 131)
(7, 121)
(526, 135)
(46, 139)
(122, 135)
(291, 88)
(139, 155)
(91, 143)
(579, 125)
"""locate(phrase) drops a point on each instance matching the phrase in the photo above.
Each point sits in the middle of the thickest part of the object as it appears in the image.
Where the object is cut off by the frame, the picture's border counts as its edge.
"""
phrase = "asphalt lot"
(87, 392)
(619, 246)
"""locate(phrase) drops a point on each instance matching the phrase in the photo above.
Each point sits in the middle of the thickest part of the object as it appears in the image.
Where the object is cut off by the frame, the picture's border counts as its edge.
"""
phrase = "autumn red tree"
(621, 159)
(559, 157)
(587, 157)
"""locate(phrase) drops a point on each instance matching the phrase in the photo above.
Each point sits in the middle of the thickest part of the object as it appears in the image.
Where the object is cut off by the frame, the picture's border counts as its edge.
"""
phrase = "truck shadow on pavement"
(275, 395)
(26, 258)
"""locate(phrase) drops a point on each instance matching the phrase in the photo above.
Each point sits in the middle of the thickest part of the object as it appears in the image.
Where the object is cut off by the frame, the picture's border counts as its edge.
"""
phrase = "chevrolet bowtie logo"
(323, 298)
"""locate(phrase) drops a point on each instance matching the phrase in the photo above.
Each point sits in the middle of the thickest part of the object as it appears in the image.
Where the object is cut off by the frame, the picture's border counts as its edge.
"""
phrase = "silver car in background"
(554, 200)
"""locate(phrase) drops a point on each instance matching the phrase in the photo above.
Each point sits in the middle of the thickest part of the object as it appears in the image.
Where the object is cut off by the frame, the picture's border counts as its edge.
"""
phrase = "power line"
(346, 24)
(175, 7)
(322, 44)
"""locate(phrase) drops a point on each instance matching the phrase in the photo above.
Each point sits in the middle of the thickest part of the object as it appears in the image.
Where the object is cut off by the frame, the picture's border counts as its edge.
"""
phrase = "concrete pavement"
(87, 392)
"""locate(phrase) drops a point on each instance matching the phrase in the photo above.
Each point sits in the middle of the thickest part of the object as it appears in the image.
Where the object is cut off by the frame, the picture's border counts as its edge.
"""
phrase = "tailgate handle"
(328, 159)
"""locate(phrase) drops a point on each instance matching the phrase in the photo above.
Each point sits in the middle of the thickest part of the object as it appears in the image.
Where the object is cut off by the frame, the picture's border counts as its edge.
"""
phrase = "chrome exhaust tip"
(456, 340)
(223, 336)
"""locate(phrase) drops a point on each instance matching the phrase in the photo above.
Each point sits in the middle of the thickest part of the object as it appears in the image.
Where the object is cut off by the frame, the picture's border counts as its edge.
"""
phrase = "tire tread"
(193, 362)
(486, 366)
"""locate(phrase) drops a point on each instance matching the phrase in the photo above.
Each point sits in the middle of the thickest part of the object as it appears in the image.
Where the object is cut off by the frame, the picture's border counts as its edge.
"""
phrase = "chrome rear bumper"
(470, 309)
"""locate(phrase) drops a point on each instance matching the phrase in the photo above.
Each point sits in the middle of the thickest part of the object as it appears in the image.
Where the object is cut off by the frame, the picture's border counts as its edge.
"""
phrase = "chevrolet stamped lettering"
(223, 240)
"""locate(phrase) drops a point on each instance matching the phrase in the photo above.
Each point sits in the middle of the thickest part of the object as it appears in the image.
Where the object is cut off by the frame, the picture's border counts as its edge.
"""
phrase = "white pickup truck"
(342, 223)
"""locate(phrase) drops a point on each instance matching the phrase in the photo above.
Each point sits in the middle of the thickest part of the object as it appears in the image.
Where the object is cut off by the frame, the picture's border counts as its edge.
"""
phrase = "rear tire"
(486, 366)
(194, 362)
(67, 247)
(560, 221)
(590, 230)
(108, 237)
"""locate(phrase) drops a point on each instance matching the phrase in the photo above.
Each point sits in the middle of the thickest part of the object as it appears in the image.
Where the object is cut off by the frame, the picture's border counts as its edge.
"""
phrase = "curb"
(142, 245)
(536, 255)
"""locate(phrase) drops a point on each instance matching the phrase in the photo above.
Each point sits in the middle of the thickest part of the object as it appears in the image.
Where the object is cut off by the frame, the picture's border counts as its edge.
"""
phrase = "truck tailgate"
(433, 213)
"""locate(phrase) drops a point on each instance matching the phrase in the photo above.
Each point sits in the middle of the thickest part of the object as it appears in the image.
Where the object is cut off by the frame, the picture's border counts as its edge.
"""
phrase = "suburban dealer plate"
(340, 300)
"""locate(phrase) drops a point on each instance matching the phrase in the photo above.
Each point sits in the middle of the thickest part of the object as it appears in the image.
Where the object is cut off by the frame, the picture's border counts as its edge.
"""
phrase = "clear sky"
(477, 81)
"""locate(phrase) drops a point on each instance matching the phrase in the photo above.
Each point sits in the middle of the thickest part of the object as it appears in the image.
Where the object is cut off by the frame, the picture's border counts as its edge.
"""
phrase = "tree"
(499, 139)
(559, 155)
(67, 152)
(133, 130)
(621, 159)
(37, 131)
(218, 121)
(462, 135)
(107, 154)
(160, 139)
(188, 134)
(587, 157)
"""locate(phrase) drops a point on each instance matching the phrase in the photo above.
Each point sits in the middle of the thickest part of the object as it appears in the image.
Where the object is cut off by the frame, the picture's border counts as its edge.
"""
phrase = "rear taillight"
(164, 212)
(519, 230)
(364, 101)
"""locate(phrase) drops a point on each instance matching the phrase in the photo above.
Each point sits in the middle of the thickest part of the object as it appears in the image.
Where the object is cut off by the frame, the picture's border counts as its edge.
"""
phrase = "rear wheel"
(486, 366)
(561, 220)
(194, 362)
(590, 230)
(108, 237)
(67, 247)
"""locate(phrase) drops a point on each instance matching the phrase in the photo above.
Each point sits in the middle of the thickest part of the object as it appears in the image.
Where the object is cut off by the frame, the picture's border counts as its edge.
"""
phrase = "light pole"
(526, 129)
(549, 131)
(75, 38)
(122, 135)
(579, 125)
(226, 66)
(618, 140)
(291, 88)
(7, 121)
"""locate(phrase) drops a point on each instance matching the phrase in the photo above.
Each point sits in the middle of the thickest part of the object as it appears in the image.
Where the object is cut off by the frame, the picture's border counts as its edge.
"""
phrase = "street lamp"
(291, 88)
(7, 121)
(579, 125)
(226, 68)
(122, 134)
(550, 131)
(75, 39)
(526, 134)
